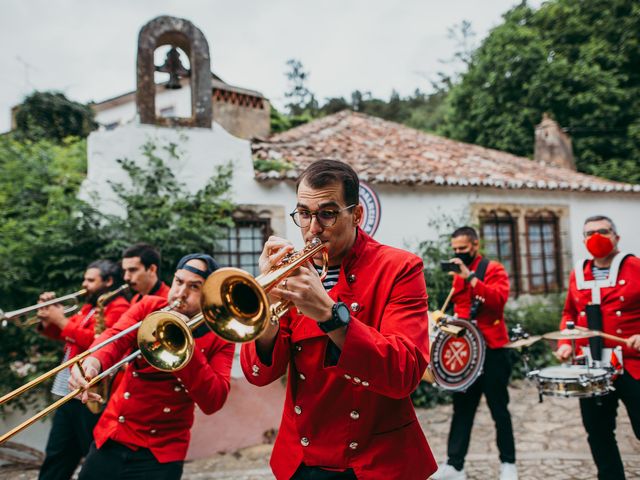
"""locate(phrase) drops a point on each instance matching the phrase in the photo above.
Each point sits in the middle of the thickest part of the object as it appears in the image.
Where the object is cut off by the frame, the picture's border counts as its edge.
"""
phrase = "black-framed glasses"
(326, 217)
(601, 231)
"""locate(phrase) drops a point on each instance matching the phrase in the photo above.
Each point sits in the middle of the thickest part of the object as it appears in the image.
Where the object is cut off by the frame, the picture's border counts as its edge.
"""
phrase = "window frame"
(505, 217)
(541, 218)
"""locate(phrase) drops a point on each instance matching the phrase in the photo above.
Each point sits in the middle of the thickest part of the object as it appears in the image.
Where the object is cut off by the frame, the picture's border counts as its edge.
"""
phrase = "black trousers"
(493, 383)
(599, 419)
(69, 440)
(317, 473)
(115, 461)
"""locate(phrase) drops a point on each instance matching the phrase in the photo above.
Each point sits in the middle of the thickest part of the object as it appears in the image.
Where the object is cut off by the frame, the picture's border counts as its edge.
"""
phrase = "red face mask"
(599, 246)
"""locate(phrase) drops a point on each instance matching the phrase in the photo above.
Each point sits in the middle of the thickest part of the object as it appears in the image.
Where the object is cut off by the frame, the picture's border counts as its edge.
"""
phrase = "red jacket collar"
(352, 256)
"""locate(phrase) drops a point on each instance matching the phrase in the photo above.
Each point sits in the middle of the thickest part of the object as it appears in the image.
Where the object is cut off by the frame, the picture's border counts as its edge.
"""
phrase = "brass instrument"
(77, 360)
(15, 315)
(234, 306)
(103, 388)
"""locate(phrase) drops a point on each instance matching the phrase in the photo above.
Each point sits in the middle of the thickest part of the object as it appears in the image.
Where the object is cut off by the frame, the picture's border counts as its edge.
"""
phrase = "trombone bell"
(166, 341)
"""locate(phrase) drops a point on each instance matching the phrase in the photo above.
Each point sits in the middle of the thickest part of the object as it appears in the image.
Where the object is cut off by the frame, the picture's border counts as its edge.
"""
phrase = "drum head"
(570, 372)
(457, 362)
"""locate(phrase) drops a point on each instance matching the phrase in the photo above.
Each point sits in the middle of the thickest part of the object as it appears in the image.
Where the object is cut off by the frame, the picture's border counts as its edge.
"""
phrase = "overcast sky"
(87, 48)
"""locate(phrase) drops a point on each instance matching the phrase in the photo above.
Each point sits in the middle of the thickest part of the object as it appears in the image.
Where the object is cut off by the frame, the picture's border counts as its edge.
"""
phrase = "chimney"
(553, 146)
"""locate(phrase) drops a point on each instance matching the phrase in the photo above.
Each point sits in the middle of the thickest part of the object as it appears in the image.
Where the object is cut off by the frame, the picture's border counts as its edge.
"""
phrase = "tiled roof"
(387, 152)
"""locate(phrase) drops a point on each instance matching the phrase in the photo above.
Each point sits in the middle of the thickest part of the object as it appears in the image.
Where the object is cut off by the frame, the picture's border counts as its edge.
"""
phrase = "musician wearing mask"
(141, 266)
(355, 346)
(481, 290)
(604, 295)
(70, 435)
(145, 430)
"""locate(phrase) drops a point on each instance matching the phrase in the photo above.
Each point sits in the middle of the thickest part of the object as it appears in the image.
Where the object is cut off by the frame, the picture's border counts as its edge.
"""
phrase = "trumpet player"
(144, 431)
(70, 435)
(355, 346)
(141, 266)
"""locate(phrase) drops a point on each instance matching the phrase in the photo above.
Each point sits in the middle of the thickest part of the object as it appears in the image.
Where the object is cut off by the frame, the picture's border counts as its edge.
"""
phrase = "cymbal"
(570, 334)
(523, 342)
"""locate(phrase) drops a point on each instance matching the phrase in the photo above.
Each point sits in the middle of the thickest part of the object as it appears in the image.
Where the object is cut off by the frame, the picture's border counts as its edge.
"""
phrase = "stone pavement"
(550, 443)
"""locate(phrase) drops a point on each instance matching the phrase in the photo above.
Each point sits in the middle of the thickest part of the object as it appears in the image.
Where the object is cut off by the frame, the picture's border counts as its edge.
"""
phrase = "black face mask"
(466, 257)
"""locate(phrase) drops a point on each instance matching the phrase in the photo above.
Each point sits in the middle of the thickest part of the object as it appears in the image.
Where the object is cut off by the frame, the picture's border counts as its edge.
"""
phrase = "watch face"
(342, 312)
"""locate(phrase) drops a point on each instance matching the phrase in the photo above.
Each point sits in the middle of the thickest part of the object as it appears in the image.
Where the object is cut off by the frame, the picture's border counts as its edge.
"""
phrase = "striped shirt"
(332, 277)
(600, 273)
(333, 352)
(60, 385)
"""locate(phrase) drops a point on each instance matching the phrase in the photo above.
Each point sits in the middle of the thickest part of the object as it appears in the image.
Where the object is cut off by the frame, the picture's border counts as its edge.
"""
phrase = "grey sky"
(86, 48)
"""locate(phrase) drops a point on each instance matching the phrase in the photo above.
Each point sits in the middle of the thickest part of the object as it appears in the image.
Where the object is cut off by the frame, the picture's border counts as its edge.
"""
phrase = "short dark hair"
(597, 218)
(327, 172)
(149, 255)
(466, 231)
(108, 270)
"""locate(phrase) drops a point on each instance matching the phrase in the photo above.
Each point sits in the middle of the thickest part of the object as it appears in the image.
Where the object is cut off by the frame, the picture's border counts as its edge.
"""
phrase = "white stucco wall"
(179, 99)
(406, 210)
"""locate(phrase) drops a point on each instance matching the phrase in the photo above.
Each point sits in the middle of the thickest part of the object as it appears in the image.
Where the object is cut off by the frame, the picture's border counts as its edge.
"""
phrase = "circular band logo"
(458, 362)
(371, 209)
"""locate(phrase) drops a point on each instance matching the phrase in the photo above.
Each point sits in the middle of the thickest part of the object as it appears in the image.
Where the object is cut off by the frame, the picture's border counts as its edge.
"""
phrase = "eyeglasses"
(601, 231)
(325, 217)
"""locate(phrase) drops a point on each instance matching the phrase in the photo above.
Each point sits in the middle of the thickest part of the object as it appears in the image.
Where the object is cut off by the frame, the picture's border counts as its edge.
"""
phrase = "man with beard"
(141, 266)
(481, 290)
(70, 435)
(604, 295)
(145, 430)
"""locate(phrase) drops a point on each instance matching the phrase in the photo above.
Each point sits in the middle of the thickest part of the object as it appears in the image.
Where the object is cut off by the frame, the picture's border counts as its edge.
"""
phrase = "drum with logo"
(456, 362)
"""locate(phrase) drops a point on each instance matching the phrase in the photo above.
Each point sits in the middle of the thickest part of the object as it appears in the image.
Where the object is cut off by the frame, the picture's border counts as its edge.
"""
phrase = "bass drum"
(456, 362)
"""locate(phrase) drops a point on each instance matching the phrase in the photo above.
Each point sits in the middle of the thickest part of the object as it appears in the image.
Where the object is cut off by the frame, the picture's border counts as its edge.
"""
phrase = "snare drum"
(572, 381)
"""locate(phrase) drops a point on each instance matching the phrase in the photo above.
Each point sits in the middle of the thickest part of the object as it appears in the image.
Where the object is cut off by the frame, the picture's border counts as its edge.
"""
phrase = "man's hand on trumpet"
(305, 290)
(53, 314)
(91, 367)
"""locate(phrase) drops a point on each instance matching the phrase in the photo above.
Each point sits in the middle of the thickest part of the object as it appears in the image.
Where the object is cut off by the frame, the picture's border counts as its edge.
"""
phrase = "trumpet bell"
(165, 340)
(235, 305)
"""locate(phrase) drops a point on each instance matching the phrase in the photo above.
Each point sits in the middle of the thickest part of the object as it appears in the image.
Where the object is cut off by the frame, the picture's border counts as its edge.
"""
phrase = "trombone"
(234, 306)
(15, 314)
(69, 363)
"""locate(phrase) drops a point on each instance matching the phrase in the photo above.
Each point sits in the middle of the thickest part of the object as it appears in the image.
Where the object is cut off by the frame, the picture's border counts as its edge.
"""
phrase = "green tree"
(162, 211)
(578, 61)
(53, 116)
(49, 235)
(301, 99)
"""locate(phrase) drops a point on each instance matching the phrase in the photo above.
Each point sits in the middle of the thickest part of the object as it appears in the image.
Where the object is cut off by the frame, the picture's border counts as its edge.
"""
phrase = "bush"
(540, 316)
(49, 236)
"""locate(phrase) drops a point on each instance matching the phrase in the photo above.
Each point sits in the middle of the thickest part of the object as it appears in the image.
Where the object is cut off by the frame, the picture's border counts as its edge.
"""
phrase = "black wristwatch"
(340, 317)
(471, 276)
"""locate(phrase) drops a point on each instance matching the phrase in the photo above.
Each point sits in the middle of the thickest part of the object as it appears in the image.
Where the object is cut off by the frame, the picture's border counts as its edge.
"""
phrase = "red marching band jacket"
(78, 333)
(493, 293)
(154, 409)
(358, 413)
(620, 307)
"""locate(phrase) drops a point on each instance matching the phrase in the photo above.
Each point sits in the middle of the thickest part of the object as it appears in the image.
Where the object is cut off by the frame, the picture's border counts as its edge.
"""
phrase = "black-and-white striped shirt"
(332, 277)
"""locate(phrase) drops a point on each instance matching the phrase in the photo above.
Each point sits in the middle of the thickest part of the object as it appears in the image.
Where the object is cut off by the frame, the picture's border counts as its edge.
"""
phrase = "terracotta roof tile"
(387, 152)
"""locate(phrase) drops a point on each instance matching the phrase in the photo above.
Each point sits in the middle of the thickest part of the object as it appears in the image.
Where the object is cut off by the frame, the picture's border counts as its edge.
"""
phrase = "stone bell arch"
(179, 33)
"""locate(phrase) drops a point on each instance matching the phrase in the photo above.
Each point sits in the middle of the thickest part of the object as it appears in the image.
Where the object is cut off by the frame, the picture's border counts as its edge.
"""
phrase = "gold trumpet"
(234, 306)
(15, 315)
